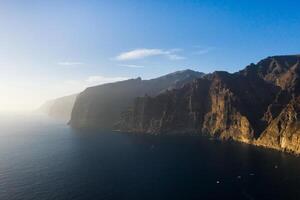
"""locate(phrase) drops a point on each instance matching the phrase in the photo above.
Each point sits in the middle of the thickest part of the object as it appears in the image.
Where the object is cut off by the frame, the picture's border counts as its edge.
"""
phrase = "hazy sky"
(51, 48)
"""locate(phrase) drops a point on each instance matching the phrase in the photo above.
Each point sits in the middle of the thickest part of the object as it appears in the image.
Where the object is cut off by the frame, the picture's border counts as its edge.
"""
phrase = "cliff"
(283, 133)
(257, 105)
(101, 106)
(60, 108)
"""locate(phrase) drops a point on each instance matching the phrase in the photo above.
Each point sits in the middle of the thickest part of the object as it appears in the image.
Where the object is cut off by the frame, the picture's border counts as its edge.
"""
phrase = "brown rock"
(283, 133)
(258, 105)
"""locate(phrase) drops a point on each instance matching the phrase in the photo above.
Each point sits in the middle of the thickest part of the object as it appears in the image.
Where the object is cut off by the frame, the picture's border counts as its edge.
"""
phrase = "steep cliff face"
(101, 106)
(214, 105)
(226, 117)
(283, 133)
(237, 105)
(246, 106)
(176, 111)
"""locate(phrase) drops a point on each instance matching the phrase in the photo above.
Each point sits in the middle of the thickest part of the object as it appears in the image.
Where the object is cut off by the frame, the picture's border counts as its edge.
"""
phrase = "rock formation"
(257, 105)
(283, 133)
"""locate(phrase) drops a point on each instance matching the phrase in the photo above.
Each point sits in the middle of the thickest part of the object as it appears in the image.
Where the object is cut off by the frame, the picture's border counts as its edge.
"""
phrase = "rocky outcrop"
(257, 105)
(101, 106)
(283, 133)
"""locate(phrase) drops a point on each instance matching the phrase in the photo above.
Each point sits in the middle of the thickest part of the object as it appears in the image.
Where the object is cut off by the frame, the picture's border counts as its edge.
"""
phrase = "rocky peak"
(282, 71)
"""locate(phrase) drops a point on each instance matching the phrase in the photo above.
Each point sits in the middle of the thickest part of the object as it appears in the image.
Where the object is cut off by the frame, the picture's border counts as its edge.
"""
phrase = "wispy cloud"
(200, 50)
(144, 53)
(131, 66)
(175, 57)
(70, 63)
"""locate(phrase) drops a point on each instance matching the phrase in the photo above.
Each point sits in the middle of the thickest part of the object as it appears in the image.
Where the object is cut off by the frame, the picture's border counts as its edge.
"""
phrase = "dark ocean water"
(43, 159)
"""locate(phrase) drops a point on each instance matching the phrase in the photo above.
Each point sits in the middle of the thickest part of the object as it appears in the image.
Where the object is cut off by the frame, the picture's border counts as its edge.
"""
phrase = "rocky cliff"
(283, 133)
(257, 105)
(101, 106)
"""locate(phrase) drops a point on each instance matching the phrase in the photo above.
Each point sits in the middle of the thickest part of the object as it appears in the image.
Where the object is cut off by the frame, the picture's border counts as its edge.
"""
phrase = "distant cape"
(60, 108)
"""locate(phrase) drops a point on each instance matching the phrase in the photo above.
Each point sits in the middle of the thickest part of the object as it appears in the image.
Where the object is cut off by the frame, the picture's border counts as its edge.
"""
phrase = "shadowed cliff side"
(101, 106)
(221, 104)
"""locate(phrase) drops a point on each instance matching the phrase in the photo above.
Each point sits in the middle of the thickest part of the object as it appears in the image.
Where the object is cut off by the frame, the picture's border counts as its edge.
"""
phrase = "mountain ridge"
(244, 106)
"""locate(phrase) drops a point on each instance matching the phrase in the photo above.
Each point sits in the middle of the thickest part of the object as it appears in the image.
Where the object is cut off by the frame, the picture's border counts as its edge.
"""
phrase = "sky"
(53, 48)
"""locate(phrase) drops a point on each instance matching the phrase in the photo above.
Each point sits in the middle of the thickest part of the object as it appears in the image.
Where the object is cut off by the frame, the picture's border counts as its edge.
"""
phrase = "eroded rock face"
(283, 132)
(257, 105)
(282, 71)
(176, 111)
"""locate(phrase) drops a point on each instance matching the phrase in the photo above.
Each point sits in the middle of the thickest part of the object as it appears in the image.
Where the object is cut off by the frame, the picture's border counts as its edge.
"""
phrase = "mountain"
(45, 107)
(60, 108)
(258, 105)
(101, 106)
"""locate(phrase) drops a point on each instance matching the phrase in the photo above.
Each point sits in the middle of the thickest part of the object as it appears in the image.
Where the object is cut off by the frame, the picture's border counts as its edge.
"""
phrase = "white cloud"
(175, 57)
(70, 63)
(143, 53)
(201, 51)
(131, 66)
(175, 50)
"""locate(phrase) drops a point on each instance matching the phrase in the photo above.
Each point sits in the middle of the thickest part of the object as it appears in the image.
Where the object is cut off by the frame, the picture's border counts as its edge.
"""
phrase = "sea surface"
(43, 159)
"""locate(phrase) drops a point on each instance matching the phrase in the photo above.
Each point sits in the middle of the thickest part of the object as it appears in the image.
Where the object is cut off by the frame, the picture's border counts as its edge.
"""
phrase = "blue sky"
(58, 47)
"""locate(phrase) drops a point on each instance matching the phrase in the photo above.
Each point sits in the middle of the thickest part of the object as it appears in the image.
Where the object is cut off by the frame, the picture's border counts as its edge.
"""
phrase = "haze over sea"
(45, 159)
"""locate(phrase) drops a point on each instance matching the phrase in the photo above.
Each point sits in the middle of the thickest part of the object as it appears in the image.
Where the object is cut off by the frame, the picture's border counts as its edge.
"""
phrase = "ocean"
(42, 158)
